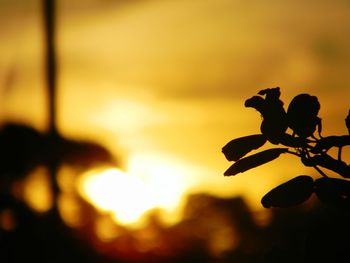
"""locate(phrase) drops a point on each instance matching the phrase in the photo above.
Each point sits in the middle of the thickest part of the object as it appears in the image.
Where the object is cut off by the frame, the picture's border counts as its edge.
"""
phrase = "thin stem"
(313, 136)
(314, 166)
(294, 153)
(320, 171)
(339, 153)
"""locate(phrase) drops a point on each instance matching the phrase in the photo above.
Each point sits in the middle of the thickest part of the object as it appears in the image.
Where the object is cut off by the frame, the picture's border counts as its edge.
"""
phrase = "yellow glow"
(36, 190)
(66, 178)
(173, 75)
(69, 209)
(105, 228)
(112, 190)
(125, 114)
(222, 240)
(164, 177)
(151, 183)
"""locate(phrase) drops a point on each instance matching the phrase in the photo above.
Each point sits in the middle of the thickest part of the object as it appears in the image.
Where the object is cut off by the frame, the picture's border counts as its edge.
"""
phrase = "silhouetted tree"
(59, 149)
(42, 237)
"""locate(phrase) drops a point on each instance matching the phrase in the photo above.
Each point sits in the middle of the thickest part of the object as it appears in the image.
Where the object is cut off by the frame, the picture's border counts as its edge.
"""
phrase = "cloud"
(209, 48)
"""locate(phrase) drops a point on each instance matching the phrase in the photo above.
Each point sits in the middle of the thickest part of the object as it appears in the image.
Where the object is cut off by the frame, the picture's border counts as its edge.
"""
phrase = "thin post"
(51, 67)
(51, 82)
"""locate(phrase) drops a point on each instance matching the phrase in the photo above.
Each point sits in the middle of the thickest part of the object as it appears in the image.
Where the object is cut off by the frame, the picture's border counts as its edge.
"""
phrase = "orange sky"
(167, 79)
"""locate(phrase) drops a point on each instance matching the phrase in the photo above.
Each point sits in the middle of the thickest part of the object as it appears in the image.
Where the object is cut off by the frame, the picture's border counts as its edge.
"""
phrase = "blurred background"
(158, 87)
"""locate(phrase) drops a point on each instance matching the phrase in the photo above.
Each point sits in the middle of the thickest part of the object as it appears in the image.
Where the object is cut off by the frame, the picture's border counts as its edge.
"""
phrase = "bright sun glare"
(149, 183)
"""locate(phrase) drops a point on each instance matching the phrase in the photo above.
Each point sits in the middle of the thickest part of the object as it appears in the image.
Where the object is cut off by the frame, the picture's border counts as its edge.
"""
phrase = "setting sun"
(150, 183)
(130, 131)
(114, 191)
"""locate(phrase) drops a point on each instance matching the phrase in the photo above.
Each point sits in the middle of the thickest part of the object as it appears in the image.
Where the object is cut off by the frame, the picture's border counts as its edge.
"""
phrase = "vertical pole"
(51, 70)
(51, 82)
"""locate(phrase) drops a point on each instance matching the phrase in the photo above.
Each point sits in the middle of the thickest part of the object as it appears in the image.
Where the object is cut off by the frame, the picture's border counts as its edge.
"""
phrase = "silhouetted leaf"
(255, 102)
(347, 122)
(275, 122)
(328, 162)
(273, 128)
(326, 143)
(271, 108)
(254, 160)
(333, 190)
(302, 114)
(290, 193)
(239, 147)
(271, 94)
(293, 141)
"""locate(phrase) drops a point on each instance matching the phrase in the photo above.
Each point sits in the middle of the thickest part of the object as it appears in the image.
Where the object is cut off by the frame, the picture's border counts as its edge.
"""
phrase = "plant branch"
(320, 171)
(294, 153)
(339, 153)
(314, 166)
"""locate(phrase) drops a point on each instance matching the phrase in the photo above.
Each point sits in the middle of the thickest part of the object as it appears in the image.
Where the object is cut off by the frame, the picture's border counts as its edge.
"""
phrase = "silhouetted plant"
(301, 119)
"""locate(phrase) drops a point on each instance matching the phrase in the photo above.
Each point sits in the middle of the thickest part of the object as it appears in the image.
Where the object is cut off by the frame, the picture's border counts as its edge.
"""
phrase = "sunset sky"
(162, 83)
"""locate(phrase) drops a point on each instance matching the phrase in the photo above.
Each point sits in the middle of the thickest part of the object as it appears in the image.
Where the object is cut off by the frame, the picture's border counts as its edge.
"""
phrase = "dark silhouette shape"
(58, 149)
(22, 148)
(239, 147)
(302, 118)
(49, 16)
(333, 190)
(302, 115)
(293, 192)
(321, 236)
(42, 238)
(254, 160)
(274, 122)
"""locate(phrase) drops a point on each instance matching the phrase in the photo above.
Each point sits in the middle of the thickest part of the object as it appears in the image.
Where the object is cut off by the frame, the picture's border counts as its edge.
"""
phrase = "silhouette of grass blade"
(333, 191)
(290, 193)
(237, 148)
(254, 160)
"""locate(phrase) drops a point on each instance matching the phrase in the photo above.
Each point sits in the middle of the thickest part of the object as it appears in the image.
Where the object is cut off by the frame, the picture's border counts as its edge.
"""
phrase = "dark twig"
(320, 171)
